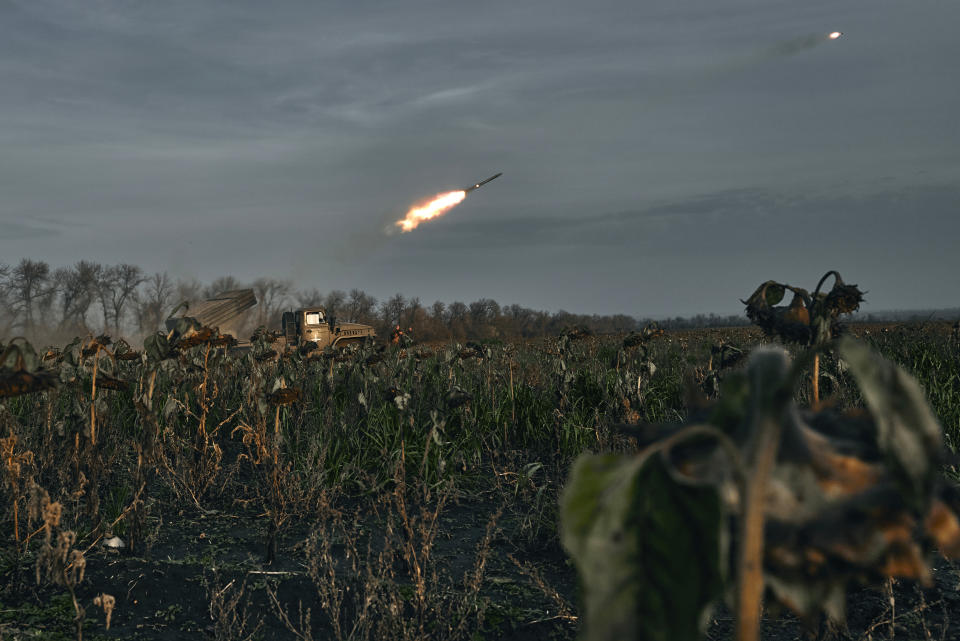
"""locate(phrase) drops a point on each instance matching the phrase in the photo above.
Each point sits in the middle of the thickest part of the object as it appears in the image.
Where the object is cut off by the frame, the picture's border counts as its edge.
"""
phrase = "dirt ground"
(210, 568)
(206, 578)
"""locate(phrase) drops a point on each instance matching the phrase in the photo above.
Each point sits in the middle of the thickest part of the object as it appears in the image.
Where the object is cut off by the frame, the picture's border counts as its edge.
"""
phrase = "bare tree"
(520, 319)
(437, 321)
(6, 319)
(31, 292)
(391, 310)
(309, 298)
(117, 285)
(334, 303)
(413, 313)
(419, 320)
(271, 295)
(457, 319)
(78, 290)
(622, 323)
(456, 311)
(187, 290)
(477, 313)
(153, 302)
(105, 283)
(539, 323)
(483, 317)
(221, 285)
(438, 311)
(360, 307)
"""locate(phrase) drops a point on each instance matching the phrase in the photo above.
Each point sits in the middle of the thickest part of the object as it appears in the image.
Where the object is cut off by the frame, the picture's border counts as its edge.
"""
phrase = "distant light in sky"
(836, 34)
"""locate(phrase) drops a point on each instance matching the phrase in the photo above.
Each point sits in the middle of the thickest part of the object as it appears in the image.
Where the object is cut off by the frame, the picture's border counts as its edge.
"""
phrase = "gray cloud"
(15, 230)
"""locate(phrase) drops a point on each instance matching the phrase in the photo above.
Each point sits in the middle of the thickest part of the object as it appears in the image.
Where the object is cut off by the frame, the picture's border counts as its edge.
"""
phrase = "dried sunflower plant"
(757, 497)
(809, 319)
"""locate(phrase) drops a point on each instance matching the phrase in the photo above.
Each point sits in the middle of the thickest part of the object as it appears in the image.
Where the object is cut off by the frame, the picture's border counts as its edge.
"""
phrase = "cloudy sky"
(658, 157)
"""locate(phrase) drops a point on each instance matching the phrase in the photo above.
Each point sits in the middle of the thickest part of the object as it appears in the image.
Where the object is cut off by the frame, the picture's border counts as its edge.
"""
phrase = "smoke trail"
(784, 49)
(793, 46)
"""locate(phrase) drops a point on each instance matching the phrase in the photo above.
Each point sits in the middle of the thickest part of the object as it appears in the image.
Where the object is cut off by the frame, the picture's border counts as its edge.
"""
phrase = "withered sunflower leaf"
(647, 547)
(23, 382)
(908, 433)
(774, 293)
(20, 355)
(156, 347)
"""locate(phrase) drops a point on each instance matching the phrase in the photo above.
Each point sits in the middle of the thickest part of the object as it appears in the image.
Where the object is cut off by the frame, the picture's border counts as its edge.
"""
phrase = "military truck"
(311, 325)
(298, 328)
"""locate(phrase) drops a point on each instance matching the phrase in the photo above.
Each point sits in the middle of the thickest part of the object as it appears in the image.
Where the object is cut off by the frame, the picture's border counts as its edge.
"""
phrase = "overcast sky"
(658, 157)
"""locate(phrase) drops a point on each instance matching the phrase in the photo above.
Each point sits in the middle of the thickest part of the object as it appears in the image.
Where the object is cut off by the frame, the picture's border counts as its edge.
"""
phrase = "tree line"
(54, 304)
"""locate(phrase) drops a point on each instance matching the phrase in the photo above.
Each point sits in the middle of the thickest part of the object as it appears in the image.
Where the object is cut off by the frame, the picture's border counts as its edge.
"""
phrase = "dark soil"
(166, 593)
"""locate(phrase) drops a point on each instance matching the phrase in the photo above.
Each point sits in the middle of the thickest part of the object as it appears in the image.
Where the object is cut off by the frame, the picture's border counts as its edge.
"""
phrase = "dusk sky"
(658, 158)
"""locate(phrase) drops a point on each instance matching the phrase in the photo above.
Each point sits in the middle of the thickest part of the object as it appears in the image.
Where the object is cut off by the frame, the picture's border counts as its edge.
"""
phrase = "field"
(400, 492)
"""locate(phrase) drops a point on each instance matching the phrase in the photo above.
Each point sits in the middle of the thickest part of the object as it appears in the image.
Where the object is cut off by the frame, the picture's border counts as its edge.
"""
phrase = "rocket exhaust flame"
(440, 205)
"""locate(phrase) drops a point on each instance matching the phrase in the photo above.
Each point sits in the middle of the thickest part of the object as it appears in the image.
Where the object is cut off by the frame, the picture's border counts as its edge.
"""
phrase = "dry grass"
(350, 493)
